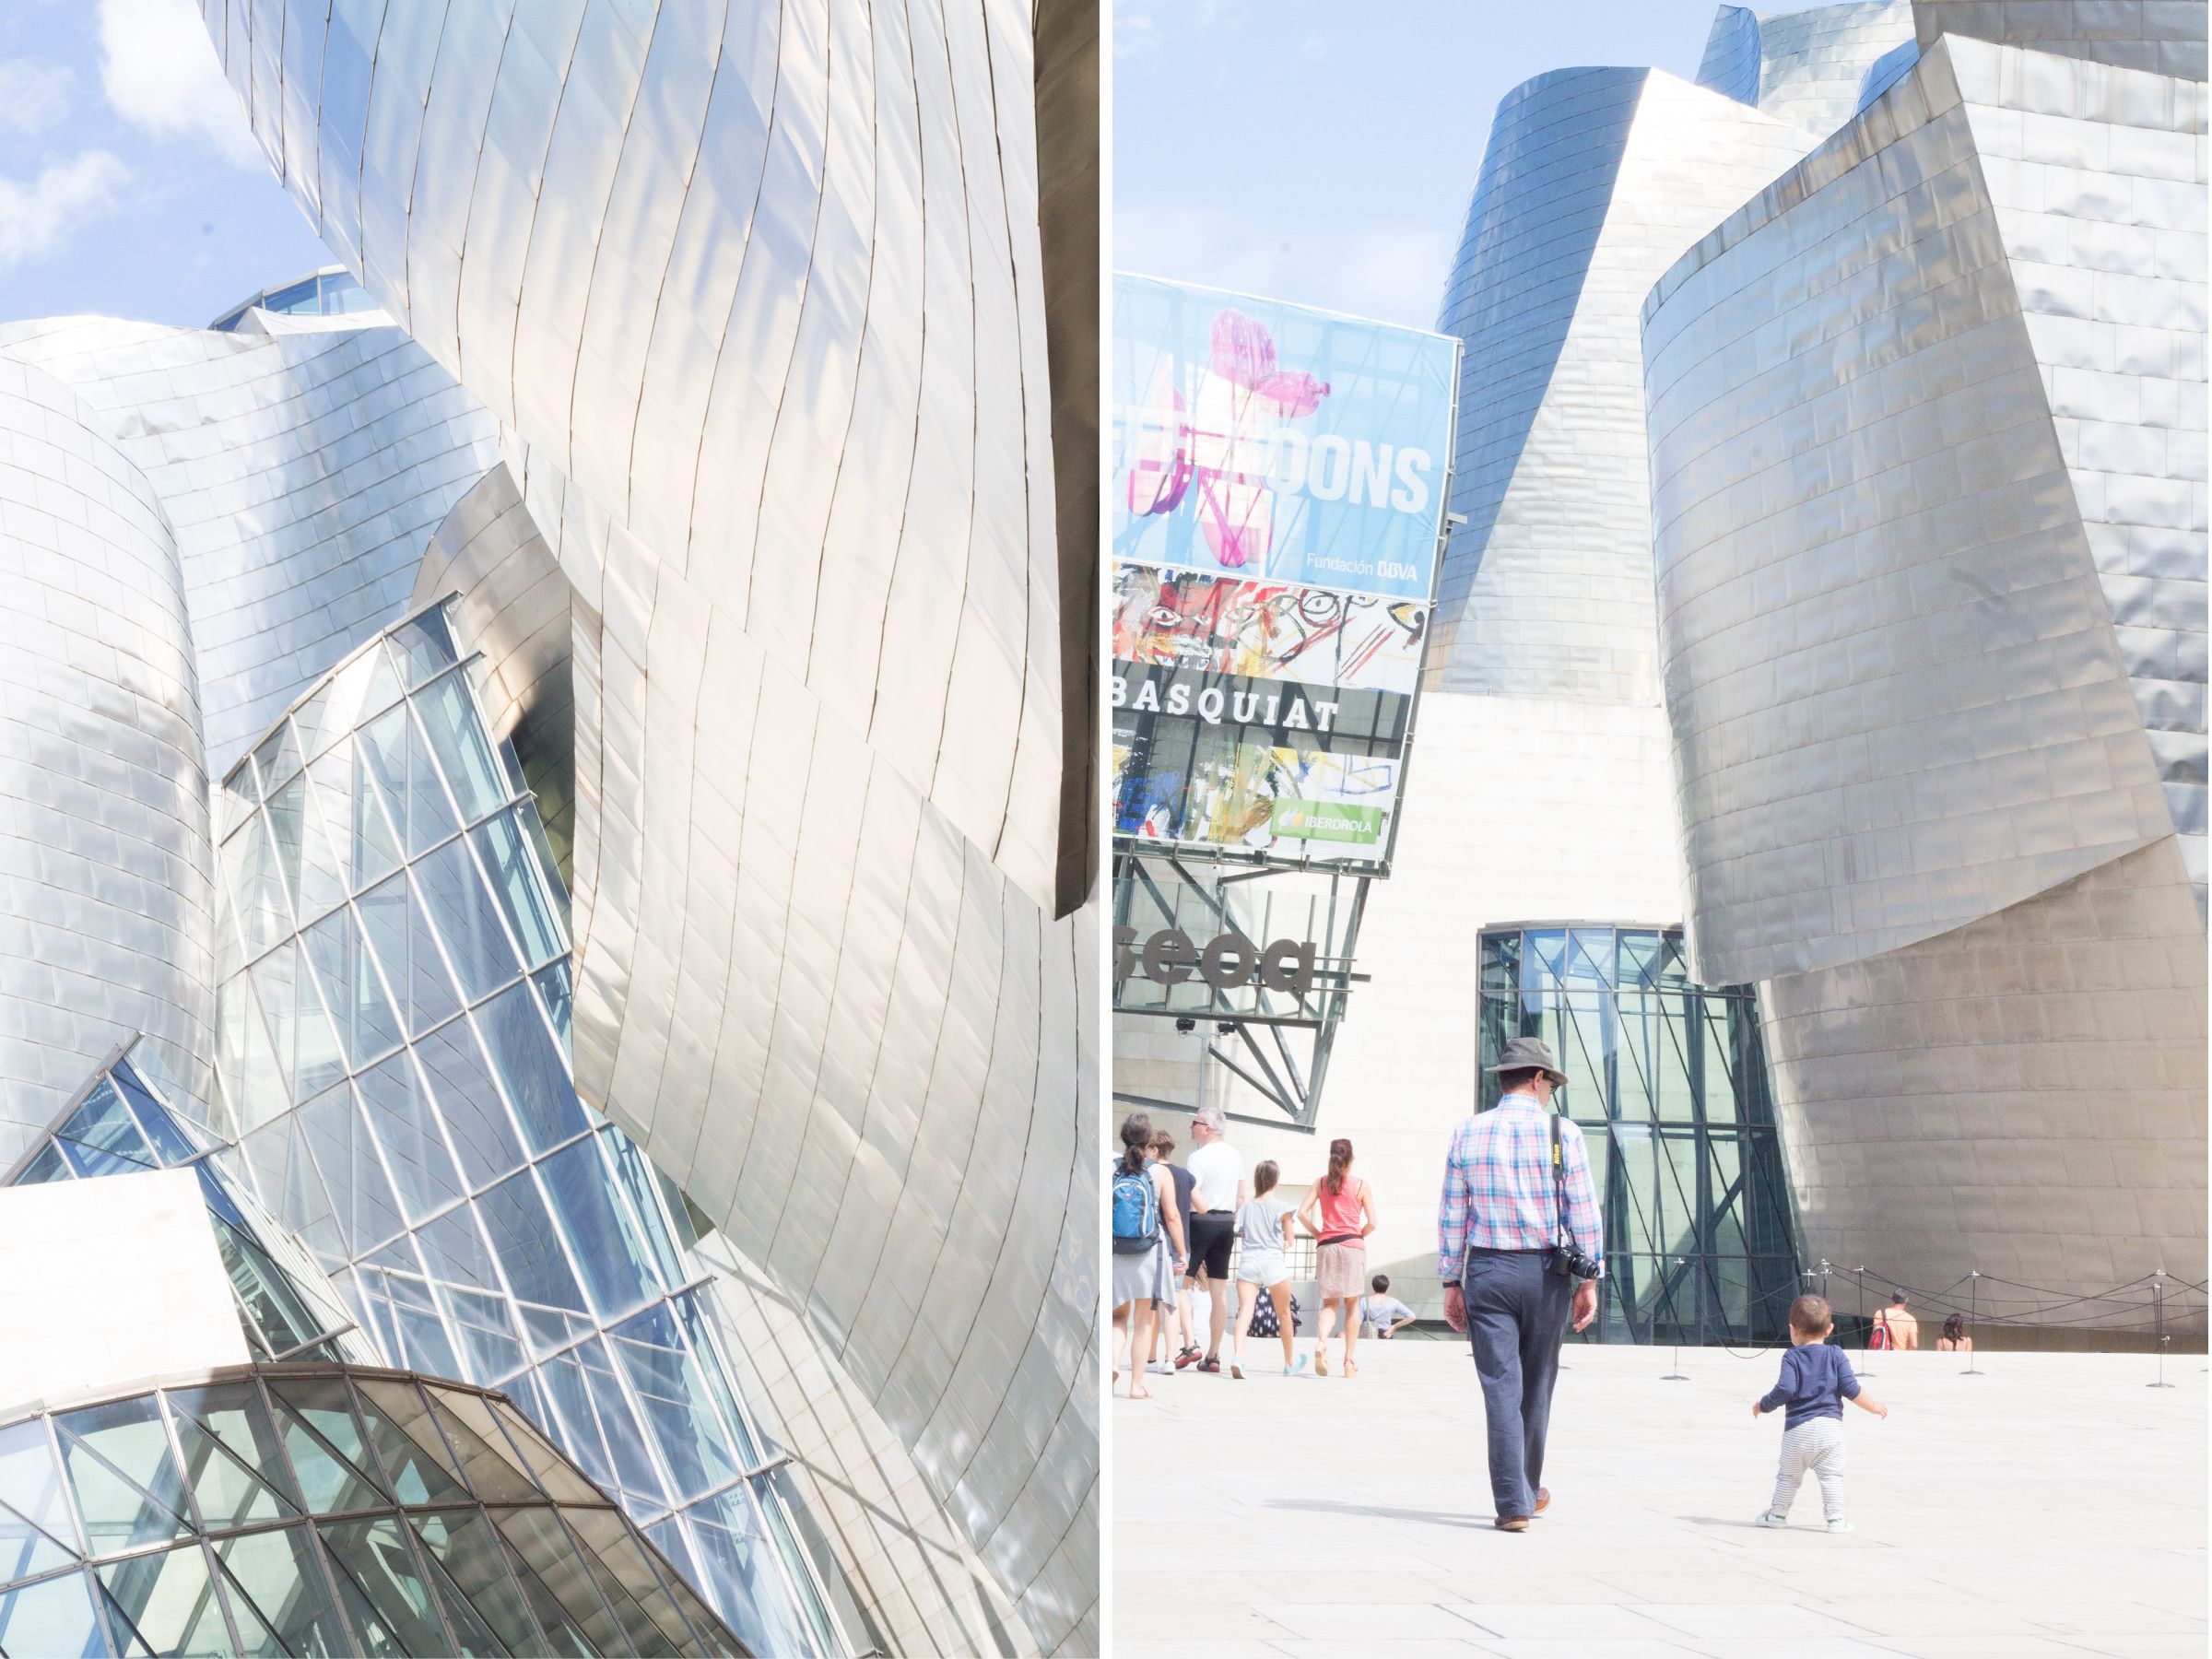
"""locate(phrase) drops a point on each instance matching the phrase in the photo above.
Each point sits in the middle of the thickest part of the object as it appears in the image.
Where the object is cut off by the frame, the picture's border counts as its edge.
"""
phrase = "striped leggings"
(1814, 1447)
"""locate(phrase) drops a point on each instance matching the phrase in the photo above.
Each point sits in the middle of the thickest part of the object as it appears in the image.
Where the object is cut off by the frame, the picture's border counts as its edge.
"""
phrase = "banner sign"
(1280, 483)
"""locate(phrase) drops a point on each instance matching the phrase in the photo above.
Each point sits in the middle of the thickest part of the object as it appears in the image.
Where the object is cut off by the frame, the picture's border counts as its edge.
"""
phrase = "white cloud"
(34, 217)
(159, 71)
(34, 94)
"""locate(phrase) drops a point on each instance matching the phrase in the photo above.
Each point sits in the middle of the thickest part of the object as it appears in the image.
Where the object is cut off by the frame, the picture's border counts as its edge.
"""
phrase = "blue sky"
(128, 183)
(1324, 152)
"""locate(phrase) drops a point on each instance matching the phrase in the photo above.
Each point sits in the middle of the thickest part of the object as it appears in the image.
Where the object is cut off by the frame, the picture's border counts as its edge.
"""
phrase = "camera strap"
(1559, 1188)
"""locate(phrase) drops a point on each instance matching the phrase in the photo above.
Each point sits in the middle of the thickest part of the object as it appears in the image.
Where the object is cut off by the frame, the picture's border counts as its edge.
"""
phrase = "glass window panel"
(367, 1024)
(712, 1373)
(1590, 958)
(274, 1309)
(30, 1488)
(52, 1617)
(1542, 958)
(543, 1549)
(356, 816)
(493, 1468)
(460, 908)
(276, 1574)
(230, 1417)
(555, 984)
(520, 888)
(641, 1185)
(469, 1103)
(306, 1047)
(743, 1579)
(91, 1162)
(168, 1604)
(632, 1585)
(399, 761)
(596, 1426)
(361, 1198)
(329, 1453)
(253, 1089)
(404, 1118)
(277, 758)
(256, 887)
(552, 1471)
(400, 934)
(523, 1236)
(423, 646)
(383, 1587)
(404, 1311)
(474, 1574)
(49, 1165)
(407, 1443)
(103, 1122)
(129, 1490)
(778, 1498)
(464, 753)
(603, 1235)
(358, 689)
(170, 1143)
(536, 1077)
(664, 1373)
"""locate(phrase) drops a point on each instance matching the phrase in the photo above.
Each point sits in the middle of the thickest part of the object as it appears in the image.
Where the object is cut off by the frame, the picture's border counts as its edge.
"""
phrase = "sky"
(129, 184)
(1323, 150)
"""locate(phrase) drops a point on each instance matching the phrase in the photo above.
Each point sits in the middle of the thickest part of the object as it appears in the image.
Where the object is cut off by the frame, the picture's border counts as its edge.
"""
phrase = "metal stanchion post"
(1860, 1273)
(1675, 1375)
(1974, 1296)
(2158, 1290)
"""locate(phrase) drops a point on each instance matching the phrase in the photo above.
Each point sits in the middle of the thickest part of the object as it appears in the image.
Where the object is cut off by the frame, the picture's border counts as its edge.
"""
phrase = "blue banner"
(1277, 444)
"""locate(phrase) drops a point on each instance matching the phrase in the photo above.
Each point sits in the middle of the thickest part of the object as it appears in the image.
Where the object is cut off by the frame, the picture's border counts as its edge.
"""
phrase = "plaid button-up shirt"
(1498, 1188)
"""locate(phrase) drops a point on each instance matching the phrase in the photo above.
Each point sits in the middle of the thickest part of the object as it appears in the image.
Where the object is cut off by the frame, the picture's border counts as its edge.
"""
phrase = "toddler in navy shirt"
(1816, 1379)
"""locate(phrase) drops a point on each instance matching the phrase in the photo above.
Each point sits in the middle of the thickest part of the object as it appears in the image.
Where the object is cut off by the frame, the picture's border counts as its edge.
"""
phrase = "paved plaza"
(2053, 1506)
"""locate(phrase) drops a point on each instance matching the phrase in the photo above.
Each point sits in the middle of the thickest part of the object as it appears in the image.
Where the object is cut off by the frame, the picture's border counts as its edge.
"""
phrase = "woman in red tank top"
(1340, 1212)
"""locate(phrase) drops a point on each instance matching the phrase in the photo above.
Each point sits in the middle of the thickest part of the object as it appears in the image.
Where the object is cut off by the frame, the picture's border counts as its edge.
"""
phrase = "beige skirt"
(1340, 1270)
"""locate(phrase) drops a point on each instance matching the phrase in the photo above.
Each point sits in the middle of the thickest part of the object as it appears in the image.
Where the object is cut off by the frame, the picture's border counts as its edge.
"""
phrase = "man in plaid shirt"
(1496, 1227)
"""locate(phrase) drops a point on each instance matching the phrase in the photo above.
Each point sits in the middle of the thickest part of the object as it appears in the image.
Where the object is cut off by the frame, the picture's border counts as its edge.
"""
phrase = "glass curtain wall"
(320, 1510)
(393, 1068)
(1668, 1081)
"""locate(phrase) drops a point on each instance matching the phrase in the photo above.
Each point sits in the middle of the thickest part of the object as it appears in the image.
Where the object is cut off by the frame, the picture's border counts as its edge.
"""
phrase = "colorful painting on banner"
(1281, 476)
(1273, 441)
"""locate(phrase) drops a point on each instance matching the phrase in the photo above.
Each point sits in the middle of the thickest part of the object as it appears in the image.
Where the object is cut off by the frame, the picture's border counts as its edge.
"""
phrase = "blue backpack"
(1135, 1211)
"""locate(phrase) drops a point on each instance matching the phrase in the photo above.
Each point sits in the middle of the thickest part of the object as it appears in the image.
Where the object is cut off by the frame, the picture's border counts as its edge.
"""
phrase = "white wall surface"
(106, 1282)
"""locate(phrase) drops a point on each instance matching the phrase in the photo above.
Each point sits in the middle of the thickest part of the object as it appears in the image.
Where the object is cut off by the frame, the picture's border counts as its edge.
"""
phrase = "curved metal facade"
(684, 252)
(106, 902)
(1805, 68)
(301, 473)
(1594, 182)
(1927, 430)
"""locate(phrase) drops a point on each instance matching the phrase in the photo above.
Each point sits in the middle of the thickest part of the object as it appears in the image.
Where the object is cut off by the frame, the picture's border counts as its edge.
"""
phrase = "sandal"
(1185, 1356)
(1351, 1368)
(1236, 1370)
(1140, 1393)
(1321, 1363)
(1209, 1365)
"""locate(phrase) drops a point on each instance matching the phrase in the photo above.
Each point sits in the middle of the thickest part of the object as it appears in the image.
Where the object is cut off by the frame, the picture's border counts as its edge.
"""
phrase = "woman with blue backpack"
(1148, 1247)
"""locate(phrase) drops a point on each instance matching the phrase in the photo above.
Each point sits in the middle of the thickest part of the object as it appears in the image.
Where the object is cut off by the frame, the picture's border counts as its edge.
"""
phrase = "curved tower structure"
(105, 893)
(1927, 452)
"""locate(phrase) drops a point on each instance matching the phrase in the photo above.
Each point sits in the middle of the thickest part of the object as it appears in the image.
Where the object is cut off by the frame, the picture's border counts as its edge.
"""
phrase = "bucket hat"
(1521, 1054)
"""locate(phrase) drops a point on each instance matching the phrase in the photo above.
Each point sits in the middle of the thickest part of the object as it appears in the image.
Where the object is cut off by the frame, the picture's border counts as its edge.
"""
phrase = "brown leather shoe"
(1510, 1524)
(1543, 1498)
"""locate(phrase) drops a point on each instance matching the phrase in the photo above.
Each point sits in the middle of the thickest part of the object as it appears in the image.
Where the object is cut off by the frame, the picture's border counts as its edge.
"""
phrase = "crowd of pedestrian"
(1520, 1251)
(1184, 1234)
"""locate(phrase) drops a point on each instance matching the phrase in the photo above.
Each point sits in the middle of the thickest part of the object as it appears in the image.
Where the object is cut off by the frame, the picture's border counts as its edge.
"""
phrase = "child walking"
(1263, 1266)
(1816, 1379)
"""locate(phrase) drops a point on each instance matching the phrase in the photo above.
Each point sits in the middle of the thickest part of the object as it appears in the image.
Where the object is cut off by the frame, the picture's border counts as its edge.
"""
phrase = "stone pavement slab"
(2051, 1506)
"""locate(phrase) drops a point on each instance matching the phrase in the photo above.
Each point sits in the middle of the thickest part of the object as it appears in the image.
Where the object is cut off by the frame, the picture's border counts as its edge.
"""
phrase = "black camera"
(1569, 1261)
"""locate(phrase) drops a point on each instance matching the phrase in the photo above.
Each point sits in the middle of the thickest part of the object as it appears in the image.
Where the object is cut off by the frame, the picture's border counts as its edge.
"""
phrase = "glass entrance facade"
(1668, 1081)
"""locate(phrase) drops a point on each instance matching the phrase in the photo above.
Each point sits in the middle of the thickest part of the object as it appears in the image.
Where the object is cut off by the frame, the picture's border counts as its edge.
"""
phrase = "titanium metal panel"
(301, 471)
(1899, 698)
(106, 896)
(1803, 68)
(1594, 182)
(2166, 37)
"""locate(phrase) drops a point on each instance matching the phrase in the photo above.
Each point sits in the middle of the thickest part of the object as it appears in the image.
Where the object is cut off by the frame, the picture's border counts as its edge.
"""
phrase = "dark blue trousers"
(1517, 1317)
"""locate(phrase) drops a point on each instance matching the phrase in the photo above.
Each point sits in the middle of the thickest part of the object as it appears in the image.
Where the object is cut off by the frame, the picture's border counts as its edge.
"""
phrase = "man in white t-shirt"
(1218, 1167)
